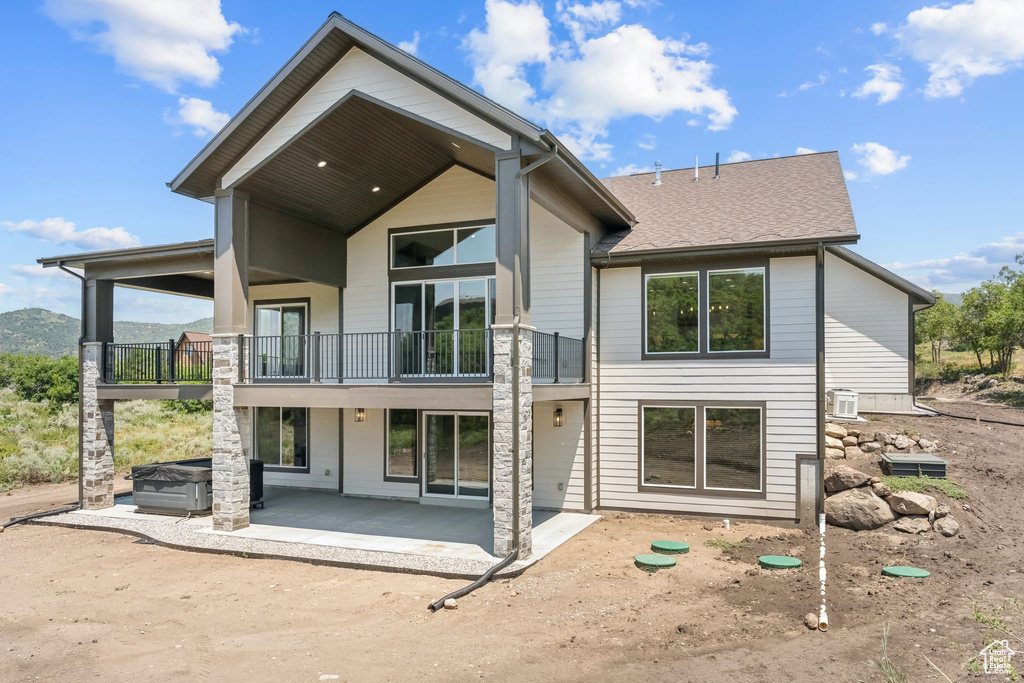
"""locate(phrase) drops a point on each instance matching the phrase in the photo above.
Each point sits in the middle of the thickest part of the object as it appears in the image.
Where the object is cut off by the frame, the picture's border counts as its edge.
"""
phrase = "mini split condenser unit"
(842, 403)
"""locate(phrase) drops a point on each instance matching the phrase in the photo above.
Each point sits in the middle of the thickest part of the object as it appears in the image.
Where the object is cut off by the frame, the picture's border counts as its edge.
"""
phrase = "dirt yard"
(86, 604)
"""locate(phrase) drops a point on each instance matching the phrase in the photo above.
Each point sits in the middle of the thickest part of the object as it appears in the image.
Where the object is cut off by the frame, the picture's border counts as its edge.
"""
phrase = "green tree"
(938, 325)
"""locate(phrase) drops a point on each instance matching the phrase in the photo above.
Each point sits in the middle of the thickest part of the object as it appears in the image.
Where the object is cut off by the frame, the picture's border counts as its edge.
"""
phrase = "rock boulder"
(835, 431)
(842, 477)
(911, 503)
(857, 509)
(947, 526)
(912, 525)
(903, 442)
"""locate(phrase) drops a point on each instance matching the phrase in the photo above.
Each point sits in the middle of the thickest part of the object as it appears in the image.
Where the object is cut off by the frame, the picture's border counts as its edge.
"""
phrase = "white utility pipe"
(823, 616)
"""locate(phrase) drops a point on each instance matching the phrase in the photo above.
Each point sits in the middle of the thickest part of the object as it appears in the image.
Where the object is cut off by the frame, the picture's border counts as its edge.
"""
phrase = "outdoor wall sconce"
(360, 414)
(559, 418)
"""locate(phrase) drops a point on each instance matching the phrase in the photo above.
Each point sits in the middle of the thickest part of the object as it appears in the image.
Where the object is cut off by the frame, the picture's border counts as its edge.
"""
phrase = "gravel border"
(182, 537)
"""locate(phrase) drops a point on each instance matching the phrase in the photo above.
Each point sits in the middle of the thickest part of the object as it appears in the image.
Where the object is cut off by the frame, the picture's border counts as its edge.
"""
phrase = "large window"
(705, 313)
(446, 325)
(402, 447)
(736, 311)
(702, 448)
(282, 437)
(673, 313)
(444, 247)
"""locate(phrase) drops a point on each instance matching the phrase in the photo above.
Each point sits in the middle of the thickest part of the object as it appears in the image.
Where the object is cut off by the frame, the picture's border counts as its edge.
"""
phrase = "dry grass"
(39, 445)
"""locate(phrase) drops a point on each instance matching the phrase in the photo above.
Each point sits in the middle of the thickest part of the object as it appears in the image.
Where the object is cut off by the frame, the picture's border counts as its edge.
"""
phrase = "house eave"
(776, 248)
(917, 294)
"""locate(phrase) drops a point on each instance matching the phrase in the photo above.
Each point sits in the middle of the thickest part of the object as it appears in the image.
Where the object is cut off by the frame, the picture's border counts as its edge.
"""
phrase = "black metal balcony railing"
(381, 356)
(557, 358)
(454, 355)
(160, 362)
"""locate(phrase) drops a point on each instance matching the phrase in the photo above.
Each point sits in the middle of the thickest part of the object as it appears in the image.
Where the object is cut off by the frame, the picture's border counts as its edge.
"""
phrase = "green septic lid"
(778, 562)
(670, 547)
(905, 572)
(652, 563)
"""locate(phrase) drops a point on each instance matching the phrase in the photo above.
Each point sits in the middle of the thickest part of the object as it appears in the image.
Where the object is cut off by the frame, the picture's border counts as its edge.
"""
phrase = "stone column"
(508, 450)
(96, 432)
(231, 433)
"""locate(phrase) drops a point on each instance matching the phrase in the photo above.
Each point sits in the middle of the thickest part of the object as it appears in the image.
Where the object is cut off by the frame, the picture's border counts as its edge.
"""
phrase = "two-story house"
(419, 295)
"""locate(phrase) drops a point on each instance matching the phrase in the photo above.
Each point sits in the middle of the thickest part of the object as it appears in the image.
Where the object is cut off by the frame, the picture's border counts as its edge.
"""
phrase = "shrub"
(41, 378)
(189, 406)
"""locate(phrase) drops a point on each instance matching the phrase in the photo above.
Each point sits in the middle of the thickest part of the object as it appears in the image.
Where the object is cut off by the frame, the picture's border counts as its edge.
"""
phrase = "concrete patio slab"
(327, 528)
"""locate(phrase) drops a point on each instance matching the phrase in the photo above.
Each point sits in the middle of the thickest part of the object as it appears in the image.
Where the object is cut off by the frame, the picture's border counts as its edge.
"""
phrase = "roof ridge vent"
(657, 173)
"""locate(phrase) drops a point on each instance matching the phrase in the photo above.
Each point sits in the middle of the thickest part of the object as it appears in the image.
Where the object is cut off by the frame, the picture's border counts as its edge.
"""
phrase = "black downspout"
(819, 324)
(81, 412)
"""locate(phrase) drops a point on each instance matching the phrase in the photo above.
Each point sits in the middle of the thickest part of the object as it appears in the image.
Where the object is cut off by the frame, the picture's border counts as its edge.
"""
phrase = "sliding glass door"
(443, 327)
(279, 349)
(456, 454)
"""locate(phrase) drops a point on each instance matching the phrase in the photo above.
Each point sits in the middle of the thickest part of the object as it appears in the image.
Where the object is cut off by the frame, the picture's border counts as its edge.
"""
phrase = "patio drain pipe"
(511, 557)
(37, 515)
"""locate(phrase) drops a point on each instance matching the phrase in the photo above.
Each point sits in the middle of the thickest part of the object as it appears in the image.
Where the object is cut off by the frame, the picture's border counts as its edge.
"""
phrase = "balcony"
(356, 357)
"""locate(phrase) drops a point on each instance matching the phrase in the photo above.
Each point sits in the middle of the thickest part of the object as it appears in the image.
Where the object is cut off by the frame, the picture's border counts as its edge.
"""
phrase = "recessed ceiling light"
(321, 164)
(375, 189)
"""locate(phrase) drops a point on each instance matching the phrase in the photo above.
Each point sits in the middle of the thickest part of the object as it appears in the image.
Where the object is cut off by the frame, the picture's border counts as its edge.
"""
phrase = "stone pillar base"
(505, 447)
(97, 434)
(230, 440)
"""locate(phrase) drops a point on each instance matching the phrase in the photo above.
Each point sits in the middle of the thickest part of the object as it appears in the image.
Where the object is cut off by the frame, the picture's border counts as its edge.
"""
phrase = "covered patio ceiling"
(184, 269)
(366, 144)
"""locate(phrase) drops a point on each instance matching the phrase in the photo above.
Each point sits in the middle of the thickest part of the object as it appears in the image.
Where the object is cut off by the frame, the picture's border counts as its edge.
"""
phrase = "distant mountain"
(37, 330)
(953, 297)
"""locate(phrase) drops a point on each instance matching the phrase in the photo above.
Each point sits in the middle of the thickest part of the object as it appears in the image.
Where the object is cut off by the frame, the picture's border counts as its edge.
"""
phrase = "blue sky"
(106, 100)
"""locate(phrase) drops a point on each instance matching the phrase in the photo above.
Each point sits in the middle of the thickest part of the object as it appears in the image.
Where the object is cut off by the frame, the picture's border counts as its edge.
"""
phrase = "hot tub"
(182, 487)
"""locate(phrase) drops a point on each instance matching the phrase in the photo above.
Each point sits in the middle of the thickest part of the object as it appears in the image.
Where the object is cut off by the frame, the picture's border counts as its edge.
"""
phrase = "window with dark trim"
(443, 247)
(703, 448)
(402, 450)
(281, 438)
(706, 313)
(736, 310)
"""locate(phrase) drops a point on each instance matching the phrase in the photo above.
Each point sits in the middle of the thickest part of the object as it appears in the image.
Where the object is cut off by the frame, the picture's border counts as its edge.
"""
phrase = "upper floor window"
(736, 311)
(444, 247)
(706, 312)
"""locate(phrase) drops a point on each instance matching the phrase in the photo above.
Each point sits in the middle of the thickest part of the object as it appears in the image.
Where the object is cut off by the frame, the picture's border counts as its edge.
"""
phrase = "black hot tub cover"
(194, 470)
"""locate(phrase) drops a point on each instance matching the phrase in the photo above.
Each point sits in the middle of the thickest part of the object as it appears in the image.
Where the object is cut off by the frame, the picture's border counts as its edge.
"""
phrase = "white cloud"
(163, 42)
(879, 159)
(737, 155)
(965, 269)
(37, 271)
(850, 175)
(60, 231)
(879, 27)
(582, 20)
(806, 150)
(958, 43)
(631, 169)
(647, 141)
(5, 289)
(884, 82)
(199, 115)
(821, 80)
(628, 71)
(411, 46)
(516, 36)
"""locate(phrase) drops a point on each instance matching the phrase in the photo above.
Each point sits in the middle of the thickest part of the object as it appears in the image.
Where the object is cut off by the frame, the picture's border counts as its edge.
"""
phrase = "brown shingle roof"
(787, 198)
(194, 337)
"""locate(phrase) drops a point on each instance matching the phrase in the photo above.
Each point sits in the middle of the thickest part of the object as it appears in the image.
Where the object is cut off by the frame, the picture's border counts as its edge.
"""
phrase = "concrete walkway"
(357, 532)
